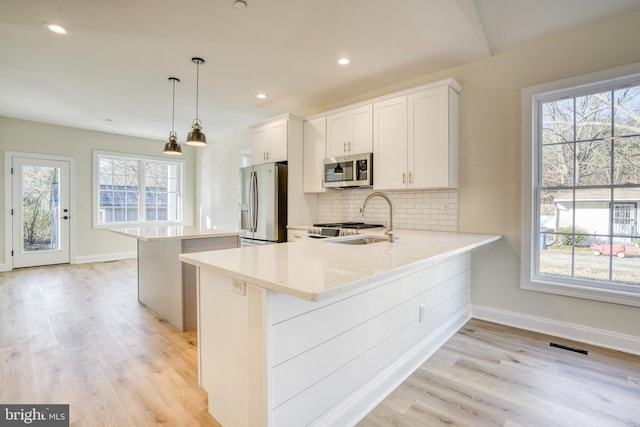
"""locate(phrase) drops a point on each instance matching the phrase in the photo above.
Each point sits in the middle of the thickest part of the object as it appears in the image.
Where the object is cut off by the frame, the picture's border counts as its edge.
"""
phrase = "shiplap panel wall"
(314, 369)
(270, 359)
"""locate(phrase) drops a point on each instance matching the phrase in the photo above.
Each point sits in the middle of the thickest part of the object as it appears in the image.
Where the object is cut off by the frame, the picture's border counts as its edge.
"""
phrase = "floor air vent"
(566, 347)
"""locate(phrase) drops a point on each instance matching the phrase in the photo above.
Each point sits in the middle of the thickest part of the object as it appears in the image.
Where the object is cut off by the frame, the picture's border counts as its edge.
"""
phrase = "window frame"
(532, 98)
(98, 154)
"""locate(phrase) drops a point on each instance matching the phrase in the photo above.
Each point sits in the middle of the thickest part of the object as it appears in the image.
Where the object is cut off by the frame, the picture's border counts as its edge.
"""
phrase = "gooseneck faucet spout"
(389, 230)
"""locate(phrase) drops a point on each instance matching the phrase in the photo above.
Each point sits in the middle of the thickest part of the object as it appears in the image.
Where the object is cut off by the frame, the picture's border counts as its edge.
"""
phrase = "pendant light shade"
(338, 170)
(173, 147)
(196, 137)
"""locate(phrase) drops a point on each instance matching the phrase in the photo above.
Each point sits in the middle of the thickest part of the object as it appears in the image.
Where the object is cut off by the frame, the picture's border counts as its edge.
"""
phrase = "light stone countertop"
(173, 232)
(318, 269)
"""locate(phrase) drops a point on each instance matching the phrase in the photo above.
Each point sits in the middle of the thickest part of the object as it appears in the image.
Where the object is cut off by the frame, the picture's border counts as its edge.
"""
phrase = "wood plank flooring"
(76, 334)
(493, 375)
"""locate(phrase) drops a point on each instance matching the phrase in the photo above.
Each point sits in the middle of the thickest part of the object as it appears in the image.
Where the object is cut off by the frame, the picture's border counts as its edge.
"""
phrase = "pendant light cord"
(173, 106)
(197, 87)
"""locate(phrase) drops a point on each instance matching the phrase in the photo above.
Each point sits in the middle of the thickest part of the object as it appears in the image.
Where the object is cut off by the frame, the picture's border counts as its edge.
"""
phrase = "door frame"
(8, 203)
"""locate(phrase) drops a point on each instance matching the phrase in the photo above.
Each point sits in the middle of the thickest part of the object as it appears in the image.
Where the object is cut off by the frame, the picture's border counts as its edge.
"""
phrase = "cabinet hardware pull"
(404, 178)
(344, 147)
(410, 178)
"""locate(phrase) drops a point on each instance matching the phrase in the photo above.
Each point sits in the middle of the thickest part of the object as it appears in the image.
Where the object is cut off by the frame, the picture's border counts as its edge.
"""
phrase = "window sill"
(615, 296)
(137, 225)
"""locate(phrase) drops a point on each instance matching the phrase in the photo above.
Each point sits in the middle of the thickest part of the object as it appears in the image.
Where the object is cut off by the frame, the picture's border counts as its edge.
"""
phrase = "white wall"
(32, 137)
(218, 174)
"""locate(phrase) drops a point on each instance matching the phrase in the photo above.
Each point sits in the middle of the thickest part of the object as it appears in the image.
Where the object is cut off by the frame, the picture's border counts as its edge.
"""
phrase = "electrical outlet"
(421, 313)
(238, 286)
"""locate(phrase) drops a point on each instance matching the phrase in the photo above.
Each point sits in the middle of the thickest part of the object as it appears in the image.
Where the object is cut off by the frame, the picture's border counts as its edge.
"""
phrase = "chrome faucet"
(389, 230)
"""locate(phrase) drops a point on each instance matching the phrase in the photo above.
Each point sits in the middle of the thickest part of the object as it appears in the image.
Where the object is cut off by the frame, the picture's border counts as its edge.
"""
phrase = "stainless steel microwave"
(349, 171)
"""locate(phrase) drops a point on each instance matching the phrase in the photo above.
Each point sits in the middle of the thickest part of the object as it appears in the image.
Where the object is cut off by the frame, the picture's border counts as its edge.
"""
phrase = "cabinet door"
(337, 134)
(259, 145)
(277, 140)
(361, 130)
(430, 154)
(390, 144)
(314, 152)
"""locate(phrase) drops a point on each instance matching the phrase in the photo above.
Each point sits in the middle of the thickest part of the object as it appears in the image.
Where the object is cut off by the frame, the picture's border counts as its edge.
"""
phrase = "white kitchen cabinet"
(269, 142)
(297, 234)
(350, 131)
(390, 152)
(416, 139)
(314, 152)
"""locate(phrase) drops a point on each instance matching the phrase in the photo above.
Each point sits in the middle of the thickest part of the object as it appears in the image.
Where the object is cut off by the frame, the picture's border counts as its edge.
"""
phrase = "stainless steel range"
(336, 229)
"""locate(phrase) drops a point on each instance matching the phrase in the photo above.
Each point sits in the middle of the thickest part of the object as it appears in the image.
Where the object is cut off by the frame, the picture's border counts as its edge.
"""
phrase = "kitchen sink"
(359, 240)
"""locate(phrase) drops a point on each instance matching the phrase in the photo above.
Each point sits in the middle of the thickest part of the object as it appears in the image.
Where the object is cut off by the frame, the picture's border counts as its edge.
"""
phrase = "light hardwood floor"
(76, 334)
(494, 375)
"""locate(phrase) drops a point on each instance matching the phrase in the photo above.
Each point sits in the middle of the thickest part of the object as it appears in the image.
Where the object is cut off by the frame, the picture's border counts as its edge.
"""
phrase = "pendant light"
(196, 137)
(173, 147)
(338, 170)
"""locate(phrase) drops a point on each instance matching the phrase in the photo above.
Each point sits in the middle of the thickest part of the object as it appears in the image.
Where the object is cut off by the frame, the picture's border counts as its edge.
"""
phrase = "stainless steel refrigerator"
(263, 204)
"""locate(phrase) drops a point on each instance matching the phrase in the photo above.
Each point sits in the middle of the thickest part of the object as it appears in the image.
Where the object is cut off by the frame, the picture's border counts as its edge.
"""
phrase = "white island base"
(271, 359)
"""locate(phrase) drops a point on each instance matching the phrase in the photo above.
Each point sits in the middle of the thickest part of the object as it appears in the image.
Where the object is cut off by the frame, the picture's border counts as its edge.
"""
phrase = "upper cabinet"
(416, 138)
(390, 152)
(269, 142)
(314, 152)
(350, 131)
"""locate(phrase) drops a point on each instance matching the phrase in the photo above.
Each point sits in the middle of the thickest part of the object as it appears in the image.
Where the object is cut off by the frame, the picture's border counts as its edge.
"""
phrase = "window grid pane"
(589, 189)
(119, 191)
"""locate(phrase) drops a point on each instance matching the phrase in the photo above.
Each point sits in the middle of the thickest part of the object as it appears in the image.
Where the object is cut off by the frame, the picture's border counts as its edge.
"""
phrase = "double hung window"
(585, 189)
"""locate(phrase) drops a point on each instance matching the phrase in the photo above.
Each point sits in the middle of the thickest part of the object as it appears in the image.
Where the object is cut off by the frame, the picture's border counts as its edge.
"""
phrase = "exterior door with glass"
(40, 210)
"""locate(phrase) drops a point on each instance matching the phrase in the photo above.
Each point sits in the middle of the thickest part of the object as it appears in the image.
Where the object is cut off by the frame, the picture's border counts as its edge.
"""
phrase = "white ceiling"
(109, 72)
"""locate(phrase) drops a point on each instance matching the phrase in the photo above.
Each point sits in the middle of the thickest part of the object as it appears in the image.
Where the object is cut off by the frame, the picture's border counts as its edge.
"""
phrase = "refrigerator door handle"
(254, 197)
(251, 191)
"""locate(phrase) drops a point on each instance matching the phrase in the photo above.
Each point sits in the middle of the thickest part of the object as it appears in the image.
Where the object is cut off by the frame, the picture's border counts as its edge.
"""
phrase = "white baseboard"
(105, 257)
(90, 258)
(355, 407)
(572, 331)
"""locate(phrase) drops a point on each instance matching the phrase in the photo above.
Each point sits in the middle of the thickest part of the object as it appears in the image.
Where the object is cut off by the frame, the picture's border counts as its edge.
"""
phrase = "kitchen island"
(165, 285)
(316, 332)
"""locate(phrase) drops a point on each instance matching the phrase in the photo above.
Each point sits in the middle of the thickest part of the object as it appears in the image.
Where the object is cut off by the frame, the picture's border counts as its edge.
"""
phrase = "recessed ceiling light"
(261, 95)
(344, 61)
(56, 28)
(240, 4)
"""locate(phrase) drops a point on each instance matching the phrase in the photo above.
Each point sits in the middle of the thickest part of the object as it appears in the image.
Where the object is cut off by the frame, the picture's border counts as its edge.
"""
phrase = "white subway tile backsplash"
(435, 210)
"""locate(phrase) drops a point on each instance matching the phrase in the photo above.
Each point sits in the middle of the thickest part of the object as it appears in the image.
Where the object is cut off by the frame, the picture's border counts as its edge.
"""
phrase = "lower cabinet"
(295, 235)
